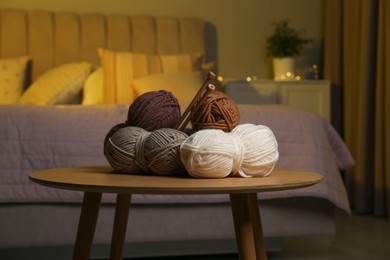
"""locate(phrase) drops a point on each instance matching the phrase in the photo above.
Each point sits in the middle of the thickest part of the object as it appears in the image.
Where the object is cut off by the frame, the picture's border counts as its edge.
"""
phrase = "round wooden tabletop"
(103, 179)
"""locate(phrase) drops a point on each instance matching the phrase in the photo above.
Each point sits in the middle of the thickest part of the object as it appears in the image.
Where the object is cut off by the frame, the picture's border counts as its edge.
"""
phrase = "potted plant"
(283, 45)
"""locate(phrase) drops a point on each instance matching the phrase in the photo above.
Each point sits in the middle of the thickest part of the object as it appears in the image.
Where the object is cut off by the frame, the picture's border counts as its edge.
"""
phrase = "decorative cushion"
(13, 75)
(93, 89)
(183, 85)
(181, 62)
(59, 85)
(121, 68)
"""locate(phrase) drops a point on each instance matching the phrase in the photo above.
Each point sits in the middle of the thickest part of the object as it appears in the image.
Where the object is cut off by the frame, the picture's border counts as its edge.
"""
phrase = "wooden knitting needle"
(210, 87)
(196, 101)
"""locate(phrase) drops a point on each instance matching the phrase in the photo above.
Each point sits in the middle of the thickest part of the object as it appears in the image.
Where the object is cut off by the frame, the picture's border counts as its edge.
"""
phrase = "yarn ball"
(162, 151)
(153, 110)
(120, 150)
(247, 151)
(217, 111)
(211, 153)
(135, 150)
(261, 150)
(113, 131)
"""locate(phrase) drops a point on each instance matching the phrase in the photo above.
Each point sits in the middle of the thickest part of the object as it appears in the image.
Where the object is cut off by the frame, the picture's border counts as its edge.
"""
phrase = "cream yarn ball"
(261, 150)
(248, 151)
(211, 153)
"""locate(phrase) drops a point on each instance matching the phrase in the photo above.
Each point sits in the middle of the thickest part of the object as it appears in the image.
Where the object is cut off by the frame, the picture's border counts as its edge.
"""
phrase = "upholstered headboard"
(54, 38)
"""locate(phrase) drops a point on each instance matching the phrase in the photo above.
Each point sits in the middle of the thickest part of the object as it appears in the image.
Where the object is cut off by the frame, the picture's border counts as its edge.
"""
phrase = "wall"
(242, 24)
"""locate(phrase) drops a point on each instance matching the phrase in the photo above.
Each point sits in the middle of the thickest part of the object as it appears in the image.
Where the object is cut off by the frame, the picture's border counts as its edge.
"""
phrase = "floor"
(358, 237)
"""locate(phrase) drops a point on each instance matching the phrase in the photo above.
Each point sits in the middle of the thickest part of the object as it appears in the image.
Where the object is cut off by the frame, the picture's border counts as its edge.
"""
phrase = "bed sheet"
(37, 137)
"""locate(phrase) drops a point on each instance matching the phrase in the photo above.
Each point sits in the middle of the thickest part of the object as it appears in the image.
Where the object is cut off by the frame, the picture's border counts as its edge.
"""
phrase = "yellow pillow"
(13, 74)
(181, 62)
(183, 85)
(93, 89)
(121, 68)
(59, 85)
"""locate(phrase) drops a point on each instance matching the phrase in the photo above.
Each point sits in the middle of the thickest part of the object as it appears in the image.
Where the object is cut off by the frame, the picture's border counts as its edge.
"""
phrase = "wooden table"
(96, 180)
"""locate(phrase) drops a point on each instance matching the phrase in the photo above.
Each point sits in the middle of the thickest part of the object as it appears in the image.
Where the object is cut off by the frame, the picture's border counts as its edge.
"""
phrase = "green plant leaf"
(285, 41)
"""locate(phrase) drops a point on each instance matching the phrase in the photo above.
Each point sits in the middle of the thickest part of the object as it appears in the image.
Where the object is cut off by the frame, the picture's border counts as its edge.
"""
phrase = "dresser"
(310, 95)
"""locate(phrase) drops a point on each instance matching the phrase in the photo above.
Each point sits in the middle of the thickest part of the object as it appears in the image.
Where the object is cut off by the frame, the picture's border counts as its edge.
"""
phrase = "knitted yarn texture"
(217, 111)
(247, 151)
(154, 110)
(135, 150)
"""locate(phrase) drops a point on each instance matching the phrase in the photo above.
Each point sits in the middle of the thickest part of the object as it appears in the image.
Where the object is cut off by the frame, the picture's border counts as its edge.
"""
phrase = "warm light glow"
(287, 76)
(315, 70)
(248, 79)
(220, 78)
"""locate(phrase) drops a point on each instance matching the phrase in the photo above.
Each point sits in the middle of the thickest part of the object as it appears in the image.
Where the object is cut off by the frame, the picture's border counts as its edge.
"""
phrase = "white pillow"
(13, 73)
(59, 85)
(183, 85)
(93, 89)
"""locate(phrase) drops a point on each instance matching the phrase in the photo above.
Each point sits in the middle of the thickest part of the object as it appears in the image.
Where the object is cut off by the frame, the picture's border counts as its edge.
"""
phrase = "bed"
(69, 129)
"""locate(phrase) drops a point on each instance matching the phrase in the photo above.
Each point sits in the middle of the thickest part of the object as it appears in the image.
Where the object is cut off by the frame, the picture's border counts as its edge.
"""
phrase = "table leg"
(87, 225)
(120, 224)
(247, 225)
(258, 235)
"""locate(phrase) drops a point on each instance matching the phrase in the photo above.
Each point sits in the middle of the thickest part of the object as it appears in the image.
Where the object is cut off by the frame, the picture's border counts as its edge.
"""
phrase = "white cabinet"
(310, 95)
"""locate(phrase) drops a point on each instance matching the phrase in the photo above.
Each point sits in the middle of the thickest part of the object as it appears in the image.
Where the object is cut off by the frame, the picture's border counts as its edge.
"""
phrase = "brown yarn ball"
(218, 111)
(154, 110)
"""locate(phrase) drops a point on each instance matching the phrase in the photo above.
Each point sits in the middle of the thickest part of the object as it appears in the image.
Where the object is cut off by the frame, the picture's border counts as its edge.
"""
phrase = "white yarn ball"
(211, 153)
(261, 150)
(248, 151)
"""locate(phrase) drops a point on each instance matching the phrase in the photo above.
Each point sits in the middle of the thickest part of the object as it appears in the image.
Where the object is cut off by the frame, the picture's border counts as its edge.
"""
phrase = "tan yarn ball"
(218, 111)
(134, 150)
(112, 131)
(120, 149)
(162, 151)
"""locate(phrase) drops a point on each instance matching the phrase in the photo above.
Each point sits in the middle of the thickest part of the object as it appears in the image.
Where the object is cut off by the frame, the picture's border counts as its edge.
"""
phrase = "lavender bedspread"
(33, 137)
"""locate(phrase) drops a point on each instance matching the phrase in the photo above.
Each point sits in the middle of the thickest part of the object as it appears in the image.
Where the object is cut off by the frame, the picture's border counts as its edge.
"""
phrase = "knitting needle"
(194, 105)
(210, 87)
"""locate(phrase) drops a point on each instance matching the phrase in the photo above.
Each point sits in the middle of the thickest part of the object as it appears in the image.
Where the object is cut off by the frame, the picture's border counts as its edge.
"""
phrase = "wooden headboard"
(54, 38)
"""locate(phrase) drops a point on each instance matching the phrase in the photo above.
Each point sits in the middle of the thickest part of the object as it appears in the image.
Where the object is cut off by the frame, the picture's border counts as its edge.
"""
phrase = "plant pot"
(283, 68)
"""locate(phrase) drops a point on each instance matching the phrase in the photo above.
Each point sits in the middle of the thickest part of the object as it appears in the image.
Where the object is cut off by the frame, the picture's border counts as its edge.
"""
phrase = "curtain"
(357, 62)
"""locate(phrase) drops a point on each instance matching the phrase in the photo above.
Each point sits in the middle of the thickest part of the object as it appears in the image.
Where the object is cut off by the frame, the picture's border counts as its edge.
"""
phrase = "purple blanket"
(33, 137)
